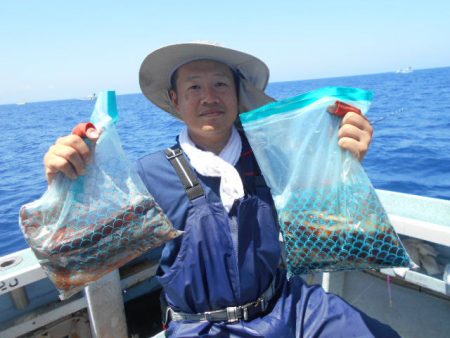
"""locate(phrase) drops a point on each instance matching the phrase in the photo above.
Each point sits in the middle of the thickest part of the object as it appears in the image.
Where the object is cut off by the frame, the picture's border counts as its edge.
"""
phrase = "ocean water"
(410, 151)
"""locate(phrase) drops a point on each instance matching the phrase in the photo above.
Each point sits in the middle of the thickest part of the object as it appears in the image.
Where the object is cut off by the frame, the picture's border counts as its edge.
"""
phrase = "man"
(222, 278)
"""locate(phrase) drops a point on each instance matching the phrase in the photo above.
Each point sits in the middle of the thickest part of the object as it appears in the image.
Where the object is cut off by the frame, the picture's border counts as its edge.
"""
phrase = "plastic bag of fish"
(82, 229)
(328, 210)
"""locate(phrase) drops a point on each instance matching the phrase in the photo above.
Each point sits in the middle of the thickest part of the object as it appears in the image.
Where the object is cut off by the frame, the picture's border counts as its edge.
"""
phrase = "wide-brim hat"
(158, 67)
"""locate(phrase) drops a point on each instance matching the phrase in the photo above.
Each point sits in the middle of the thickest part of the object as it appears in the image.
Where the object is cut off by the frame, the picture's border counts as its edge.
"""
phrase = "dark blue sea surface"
(410, 152)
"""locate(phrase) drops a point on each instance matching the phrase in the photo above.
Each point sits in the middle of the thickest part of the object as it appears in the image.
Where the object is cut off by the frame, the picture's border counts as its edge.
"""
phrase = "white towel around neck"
(209, 164)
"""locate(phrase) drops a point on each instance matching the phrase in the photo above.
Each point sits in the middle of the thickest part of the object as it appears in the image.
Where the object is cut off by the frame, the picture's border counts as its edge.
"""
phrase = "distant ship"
(406, 70)
(89, 97)
(21, 103)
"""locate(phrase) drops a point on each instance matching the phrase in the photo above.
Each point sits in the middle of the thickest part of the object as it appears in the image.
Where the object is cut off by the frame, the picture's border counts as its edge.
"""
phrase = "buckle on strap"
(231, 313)
(173, 152)
(262, 302)
(208, 316)
(184, 171)
(236, 313)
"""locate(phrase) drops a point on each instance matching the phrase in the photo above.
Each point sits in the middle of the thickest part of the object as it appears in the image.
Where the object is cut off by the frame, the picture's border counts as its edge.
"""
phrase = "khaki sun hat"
(158, 67)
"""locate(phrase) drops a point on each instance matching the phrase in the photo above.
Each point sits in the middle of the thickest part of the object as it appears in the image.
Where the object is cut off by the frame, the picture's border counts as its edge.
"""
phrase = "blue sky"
(70, 49)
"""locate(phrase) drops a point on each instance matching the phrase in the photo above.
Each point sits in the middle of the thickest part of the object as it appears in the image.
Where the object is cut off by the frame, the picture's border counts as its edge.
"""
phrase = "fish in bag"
(82, 229)
(329, 213)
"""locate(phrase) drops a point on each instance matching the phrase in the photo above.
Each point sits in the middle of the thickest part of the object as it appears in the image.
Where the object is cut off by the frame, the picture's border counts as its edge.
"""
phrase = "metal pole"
(20, 298)
(334, 282)
(106, 308)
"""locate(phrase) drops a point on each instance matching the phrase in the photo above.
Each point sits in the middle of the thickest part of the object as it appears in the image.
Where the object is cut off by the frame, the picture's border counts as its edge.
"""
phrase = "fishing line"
(388, 114)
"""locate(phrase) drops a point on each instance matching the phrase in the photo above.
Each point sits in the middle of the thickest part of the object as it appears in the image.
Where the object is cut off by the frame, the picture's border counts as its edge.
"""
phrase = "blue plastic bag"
(329, 213)
(82, 229)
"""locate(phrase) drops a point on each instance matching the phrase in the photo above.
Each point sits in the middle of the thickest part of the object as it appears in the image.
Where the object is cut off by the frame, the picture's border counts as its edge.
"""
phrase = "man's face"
(205, 98)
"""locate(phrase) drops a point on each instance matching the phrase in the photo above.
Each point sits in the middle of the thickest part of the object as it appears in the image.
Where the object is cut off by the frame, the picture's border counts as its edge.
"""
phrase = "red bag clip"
(340, 109)
(81, 129)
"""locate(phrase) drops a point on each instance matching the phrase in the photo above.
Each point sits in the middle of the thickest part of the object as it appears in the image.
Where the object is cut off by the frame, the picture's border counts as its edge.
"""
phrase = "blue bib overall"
(229, 259)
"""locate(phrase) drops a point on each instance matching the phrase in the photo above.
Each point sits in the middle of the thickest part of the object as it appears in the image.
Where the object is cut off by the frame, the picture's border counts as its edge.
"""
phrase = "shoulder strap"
(187, 176)
(260, 181)
(252, 172)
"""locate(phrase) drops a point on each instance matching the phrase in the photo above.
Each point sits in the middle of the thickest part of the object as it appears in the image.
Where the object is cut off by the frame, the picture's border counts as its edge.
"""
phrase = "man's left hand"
(355, 134)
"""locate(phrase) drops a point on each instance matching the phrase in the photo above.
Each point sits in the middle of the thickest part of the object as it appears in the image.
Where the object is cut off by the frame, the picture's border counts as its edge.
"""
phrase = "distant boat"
(406, 70)
(21, 103)
(89, 97)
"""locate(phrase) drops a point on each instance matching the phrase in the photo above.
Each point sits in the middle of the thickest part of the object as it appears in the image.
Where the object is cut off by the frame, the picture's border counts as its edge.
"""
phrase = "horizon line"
(86, 98)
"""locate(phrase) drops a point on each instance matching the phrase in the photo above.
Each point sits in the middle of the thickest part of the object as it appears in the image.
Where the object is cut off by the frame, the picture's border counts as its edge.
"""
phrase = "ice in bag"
(328, 210)
(82, 229)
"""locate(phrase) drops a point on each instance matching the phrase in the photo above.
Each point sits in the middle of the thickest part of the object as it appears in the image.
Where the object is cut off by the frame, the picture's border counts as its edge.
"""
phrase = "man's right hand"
(69, 155)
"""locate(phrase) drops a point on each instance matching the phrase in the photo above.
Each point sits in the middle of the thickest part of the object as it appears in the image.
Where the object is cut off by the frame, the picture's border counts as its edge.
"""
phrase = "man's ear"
(173, 97)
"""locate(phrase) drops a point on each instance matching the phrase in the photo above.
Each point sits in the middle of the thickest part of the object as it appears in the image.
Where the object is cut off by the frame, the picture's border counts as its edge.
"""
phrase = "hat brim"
(158, 67)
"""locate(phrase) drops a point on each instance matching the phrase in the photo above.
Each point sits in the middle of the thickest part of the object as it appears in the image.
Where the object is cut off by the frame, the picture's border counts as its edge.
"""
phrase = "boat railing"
(103, 299)
(415, 216)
